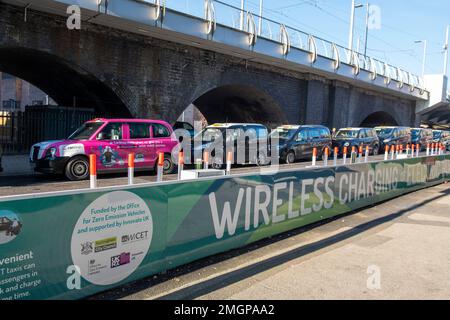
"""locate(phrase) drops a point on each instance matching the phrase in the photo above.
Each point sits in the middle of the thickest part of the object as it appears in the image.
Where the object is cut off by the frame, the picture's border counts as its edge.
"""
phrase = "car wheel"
(77, 169)
(168, 164)
(376, 150)
(290, 157)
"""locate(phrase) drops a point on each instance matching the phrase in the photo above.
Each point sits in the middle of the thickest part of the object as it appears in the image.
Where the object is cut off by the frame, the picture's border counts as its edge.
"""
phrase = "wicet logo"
(138, 236)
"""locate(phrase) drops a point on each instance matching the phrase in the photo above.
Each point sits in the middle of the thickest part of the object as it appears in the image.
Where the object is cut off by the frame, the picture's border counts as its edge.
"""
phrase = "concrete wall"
(115, 71)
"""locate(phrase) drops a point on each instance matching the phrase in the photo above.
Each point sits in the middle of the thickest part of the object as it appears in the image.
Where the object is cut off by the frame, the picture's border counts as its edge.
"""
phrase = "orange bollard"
(229, 161)
(360, 153)
(130, 168)
(93, 170)
(412, 150)
(386, 152)
(344, 155)
(314, 157)
(366, 158)
(325, 158)
(392, 152)
(206, 160)
(160, 170)
(336, 152)
(180, 163)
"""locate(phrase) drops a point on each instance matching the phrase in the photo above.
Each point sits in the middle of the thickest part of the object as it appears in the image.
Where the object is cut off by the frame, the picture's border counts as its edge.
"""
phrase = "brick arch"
(379, 118)
(62, 80)
(239, 103)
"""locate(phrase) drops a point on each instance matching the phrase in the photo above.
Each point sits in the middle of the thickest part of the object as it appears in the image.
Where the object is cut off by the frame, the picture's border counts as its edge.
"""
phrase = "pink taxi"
(111, 140)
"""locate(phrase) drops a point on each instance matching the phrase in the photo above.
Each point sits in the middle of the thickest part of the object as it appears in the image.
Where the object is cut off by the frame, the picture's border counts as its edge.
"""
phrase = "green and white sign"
(70, 245)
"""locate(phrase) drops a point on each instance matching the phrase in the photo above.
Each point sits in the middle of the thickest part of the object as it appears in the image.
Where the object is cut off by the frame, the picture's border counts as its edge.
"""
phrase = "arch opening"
(380, 118)
(67, 84)
(237, 104)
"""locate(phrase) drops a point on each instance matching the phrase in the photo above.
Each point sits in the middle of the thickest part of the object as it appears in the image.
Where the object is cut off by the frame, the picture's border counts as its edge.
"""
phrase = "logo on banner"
(114, 233)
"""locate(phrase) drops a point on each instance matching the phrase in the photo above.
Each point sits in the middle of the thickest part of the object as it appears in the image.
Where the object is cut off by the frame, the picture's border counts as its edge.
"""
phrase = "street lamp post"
(352, 23)
(367, 28)
(241, 22)
(424, 54)
(446, 52)
(261, 4)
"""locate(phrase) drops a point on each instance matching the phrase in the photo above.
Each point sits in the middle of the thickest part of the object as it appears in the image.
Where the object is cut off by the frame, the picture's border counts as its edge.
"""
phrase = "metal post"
(367, 29)
(446, 51)
(261, 11)
(353, 155)
(241, 20)
(424, 60)
(352, 22)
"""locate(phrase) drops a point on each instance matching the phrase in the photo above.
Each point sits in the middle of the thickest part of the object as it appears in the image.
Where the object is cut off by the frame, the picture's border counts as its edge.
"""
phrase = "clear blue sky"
(402, 23)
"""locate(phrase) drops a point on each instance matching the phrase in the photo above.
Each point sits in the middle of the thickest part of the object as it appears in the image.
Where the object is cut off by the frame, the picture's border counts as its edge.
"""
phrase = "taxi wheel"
(77, 169)
(217, 163)
(290, 157)
(376, 150)
(168, 165)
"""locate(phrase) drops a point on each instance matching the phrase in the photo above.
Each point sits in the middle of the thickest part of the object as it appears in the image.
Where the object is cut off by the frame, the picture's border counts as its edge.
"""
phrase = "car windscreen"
(384, 132)
(347, 134)
(437, 134)
(415, 133)
(208, 133)
(85, 131)
(283, 133)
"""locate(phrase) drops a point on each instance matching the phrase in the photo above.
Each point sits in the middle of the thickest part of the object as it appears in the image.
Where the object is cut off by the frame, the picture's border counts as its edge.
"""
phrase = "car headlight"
(347, 144)
(51, 153)
(386, 141)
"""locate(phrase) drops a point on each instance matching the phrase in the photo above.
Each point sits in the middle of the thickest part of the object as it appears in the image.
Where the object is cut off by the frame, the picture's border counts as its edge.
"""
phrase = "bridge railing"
(261, 27)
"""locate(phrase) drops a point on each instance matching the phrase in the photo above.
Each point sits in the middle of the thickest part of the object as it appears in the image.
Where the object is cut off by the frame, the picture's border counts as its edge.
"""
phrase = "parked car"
(421, 136)
(1, 153)
(296, 142)
(111, 140)
(215, 138)
(442, 136)
(356, 137)
(393, 136)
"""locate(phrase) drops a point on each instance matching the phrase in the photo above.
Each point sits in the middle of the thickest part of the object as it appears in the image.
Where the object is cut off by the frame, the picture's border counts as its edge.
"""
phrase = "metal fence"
(217, 11)
(19, 130)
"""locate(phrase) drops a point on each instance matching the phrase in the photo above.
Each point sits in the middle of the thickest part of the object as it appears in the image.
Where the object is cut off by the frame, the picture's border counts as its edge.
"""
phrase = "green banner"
(70, 245)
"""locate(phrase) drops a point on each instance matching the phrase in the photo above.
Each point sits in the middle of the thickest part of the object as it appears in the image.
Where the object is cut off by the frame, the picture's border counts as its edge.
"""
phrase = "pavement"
(394, 250)
(16, 165)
